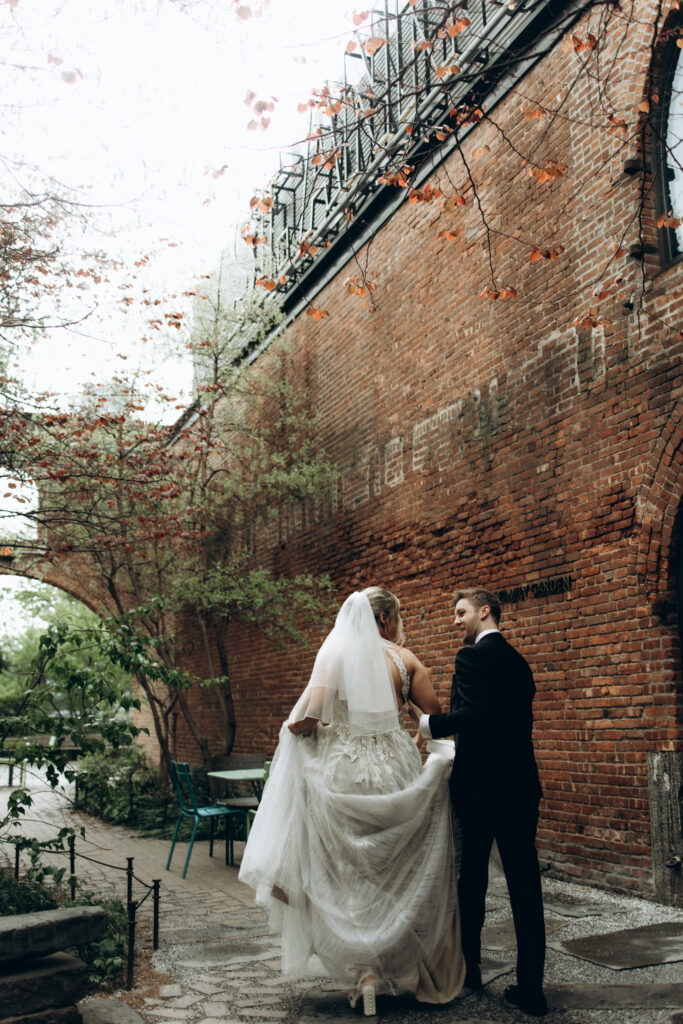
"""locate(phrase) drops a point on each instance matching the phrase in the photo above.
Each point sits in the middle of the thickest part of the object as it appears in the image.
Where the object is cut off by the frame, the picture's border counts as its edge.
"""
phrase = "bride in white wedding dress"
(351, 849)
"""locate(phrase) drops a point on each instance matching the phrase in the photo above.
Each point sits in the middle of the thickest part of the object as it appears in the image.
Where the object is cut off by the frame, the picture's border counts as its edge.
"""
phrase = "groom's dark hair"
(479, 597)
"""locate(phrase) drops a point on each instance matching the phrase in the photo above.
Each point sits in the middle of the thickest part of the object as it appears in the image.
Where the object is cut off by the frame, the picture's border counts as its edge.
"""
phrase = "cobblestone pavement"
(224, 967)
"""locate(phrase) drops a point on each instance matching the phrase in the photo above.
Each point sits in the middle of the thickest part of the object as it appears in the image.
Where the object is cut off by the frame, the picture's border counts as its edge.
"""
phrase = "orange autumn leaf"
(505, 292)
(359, 17)
(266, 282)
(447, 69)
(372, 45)
(668, 221)
(263, 205)
(457, 27)
(551, 172)
(425, 195)
(545, 254)
(453, 201)
(306, 249)
(590, 320)
(316, 314)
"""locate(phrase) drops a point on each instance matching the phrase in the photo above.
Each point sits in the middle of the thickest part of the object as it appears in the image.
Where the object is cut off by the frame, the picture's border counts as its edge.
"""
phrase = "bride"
(351, 849)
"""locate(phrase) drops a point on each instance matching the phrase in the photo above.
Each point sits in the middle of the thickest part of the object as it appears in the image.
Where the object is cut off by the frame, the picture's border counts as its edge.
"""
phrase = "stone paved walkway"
(225, 967)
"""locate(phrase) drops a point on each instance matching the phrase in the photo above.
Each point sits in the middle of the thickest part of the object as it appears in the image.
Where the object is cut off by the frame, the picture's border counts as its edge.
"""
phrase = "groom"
(495, 789)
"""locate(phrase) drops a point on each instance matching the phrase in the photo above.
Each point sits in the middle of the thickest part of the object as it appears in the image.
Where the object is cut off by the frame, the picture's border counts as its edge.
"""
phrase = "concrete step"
(40, 984)
(49, 931)
(62, 1015)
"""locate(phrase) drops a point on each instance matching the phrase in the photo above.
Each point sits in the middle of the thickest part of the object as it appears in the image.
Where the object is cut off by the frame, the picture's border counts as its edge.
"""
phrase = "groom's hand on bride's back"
(414, 711)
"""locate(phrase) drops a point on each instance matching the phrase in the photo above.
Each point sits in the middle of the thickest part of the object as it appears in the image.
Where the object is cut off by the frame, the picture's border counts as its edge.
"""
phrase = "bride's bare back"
(421, 689)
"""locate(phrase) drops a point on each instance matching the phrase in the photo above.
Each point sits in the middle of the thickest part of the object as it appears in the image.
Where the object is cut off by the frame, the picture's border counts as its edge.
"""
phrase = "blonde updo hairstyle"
(384, 604)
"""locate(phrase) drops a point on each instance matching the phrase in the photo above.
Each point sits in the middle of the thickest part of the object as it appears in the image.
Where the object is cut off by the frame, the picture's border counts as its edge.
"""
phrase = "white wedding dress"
(351, 852)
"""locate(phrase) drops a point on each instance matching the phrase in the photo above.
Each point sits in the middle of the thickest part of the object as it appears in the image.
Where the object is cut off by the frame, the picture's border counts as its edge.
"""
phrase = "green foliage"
(124, 789)
(23, 897)
(107, 956)
(74, 698)
(277, 604)
(61, 692)
(74, 702)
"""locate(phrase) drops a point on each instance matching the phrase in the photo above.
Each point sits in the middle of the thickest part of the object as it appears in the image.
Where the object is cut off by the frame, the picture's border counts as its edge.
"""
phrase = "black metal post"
(72, 866)
(156, 882)
(16, 860)
(132, 908)
(129, 872)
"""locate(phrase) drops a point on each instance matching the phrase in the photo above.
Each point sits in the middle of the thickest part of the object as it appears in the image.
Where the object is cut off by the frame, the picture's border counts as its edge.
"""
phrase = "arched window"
(669, 151)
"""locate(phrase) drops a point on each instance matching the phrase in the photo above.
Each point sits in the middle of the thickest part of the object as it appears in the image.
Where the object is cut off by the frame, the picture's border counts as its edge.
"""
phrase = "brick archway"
(66, 575)
(657, 504)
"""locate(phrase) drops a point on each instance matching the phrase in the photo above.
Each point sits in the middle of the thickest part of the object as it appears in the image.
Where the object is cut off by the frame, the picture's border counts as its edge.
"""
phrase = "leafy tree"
(169, 519)
(76, 669)
(51, 607)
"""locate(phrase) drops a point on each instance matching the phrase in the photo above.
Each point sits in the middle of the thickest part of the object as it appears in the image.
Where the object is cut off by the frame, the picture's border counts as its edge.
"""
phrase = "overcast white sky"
(135, 105)
(138, 104)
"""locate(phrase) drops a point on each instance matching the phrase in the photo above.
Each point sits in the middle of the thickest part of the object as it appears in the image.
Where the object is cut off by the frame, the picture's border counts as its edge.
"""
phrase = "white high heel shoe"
(367, 990)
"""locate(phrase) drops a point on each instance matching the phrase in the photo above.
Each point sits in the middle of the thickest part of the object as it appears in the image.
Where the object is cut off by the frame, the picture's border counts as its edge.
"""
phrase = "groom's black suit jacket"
(491, 717)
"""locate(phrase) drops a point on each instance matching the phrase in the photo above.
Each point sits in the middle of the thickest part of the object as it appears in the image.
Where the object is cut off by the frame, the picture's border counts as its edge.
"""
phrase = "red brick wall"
(494, 442)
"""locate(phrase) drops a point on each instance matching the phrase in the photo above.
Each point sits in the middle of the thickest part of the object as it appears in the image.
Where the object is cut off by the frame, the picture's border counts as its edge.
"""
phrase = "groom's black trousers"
(514, 829)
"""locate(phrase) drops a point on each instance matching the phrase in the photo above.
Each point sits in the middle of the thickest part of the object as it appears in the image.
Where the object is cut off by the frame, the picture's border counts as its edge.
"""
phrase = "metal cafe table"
(256, 776)
(248, 804)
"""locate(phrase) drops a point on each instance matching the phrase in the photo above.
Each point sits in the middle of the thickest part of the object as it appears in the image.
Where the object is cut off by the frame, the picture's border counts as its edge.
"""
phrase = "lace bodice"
(402, 670)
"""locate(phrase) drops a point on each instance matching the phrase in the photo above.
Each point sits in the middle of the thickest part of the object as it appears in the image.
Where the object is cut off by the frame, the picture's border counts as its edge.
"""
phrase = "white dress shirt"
(425, 731)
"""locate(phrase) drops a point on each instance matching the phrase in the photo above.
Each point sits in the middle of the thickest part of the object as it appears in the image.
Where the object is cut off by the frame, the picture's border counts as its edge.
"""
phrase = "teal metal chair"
(251, 813)
(187, 808)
